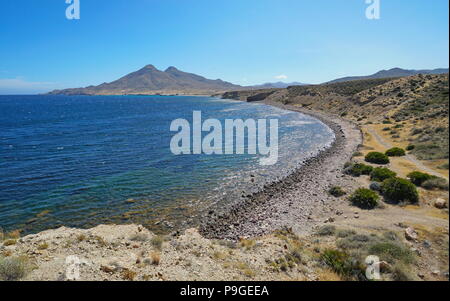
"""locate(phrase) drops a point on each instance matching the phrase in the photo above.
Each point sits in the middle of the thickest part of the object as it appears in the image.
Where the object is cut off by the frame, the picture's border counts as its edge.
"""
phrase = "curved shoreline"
(295, 201)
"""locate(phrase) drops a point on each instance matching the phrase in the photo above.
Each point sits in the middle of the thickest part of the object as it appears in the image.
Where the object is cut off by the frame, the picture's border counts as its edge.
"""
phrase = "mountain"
(150, 80)
(395, 72)
(276, 85)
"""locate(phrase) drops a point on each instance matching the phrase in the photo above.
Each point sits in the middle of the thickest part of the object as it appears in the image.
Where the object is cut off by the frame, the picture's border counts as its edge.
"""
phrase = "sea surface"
(80, 161)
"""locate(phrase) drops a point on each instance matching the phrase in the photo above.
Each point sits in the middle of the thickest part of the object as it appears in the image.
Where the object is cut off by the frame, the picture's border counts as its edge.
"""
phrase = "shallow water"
(80, 161)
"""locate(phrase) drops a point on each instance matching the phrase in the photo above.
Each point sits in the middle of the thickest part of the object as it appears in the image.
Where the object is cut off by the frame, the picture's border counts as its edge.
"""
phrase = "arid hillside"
(413, 110)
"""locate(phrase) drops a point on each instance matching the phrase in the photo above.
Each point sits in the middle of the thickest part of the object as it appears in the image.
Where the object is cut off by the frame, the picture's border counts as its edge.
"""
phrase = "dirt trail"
(409, 158)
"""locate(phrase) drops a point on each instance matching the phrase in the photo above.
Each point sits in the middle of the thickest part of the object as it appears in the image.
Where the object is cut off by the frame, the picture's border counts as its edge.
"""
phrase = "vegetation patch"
(397, 190)
(396, 152)
(337, 191)
(326, 230)
(418, 178)
(364, 198)
(436, 183)
(157, 242)
(343, 264)
(377, 158)
(13, 268)
(380, 174)
(428, 181)
(358, 169)
(392, 252)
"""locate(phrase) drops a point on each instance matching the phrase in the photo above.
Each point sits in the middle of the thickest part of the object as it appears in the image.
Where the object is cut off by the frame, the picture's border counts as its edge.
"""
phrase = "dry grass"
(139, 237)
(13, 268)
(328, 275)
(9, 242)
(128, 275)
(81, 237)
(155, 258)
(247, 244)
(43, 246)
(157, 242)
(219, 255)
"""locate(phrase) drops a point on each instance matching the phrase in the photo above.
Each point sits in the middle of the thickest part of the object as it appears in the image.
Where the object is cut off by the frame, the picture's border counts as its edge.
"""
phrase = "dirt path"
(409, 158)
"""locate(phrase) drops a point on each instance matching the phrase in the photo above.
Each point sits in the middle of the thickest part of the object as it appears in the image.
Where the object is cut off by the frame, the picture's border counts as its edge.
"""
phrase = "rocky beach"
(298, 201)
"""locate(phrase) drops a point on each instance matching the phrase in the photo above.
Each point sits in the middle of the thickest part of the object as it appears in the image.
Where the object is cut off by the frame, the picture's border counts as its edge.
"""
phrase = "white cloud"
(21, 86)
(281, 76)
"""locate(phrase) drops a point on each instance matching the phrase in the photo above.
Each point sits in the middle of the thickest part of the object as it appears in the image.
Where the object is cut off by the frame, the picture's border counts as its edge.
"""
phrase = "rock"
(427, 244)
(375, 186)
(421, 275)
(411, 234)
(435, 273)
(440, 204)
(384, 266)
(401, 225)
(108, 269)
(330, 220)
(417, 251)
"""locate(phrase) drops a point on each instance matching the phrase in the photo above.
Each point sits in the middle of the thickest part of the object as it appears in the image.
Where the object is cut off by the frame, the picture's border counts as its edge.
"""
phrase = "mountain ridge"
(150, 80)
(391, 73)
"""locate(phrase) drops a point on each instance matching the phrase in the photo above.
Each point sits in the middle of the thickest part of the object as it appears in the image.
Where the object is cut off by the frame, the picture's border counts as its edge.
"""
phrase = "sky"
(245, 42)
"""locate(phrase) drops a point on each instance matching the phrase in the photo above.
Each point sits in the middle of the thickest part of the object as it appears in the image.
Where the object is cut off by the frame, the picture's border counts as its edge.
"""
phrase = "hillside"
(150, 80)
(413, 110)
(394, 72)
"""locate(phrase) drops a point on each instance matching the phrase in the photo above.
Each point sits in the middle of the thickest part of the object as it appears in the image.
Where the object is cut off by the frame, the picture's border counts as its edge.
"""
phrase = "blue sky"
(242, 41)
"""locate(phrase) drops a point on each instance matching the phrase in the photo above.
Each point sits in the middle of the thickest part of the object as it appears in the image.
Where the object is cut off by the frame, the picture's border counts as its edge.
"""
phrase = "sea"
(81, 161)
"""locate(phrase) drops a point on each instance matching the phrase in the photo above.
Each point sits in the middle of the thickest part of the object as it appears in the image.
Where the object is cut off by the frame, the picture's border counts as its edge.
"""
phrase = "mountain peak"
(150, 67)
(149, 79)
(171, 69)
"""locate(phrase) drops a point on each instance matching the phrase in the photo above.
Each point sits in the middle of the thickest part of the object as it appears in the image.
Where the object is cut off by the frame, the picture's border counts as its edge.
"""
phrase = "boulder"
(411, 234)
(440, 204)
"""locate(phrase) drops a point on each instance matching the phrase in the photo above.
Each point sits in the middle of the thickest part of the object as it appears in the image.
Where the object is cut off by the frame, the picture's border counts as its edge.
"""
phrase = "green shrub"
(410, 147)
(326, 231)
(399, 190)
(157, 242)
(436, 183)
(418, 178)
(342, 263)
(391, 252)
(358, 169)
(395, 152)
(336, 191)
(377, 158)
(380, 174)
(13, 268)
(402, 273)
(345, 233)
(355, 242)
(364, 198)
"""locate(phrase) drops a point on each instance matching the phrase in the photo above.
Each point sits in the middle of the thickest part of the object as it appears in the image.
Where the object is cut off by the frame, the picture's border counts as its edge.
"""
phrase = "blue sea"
(80, 161)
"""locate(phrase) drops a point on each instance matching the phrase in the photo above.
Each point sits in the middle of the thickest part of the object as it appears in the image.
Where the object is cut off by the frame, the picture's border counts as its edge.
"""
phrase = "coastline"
(300, 201)
(252, 240)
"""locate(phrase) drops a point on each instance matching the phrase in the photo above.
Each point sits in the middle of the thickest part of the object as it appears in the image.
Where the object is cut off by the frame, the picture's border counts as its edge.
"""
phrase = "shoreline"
(296, 201)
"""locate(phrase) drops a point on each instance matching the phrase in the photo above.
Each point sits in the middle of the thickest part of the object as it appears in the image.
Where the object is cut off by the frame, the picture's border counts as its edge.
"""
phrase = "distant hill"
(150, 80)
(413, 110)
(276, 85)
(395, 72)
